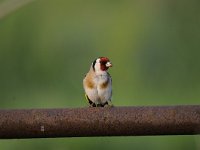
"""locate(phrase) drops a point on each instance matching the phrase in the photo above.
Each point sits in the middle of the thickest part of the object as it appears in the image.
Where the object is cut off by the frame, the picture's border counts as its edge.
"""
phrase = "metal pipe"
(114, 121)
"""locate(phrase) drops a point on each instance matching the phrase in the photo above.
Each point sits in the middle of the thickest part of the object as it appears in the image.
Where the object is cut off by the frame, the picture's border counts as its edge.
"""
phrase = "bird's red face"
(101, 64)
(104, 63)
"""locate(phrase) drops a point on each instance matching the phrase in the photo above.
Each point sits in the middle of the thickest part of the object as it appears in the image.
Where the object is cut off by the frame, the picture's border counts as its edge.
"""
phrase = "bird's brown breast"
(104, 85)
(89, 82)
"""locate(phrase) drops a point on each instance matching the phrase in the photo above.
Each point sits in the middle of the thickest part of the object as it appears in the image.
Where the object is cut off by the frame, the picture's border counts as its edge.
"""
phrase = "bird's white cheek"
(97, 66)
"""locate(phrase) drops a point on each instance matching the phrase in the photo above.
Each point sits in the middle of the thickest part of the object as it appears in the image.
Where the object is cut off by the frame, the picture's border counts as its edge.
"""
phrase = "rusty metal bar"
(115, 121)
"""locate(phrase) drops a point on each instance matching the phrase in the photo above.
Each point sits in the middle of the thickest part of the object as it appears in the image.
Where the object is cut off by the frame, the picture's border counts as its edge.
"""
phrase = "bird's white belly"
(105, 94)
(93, 95)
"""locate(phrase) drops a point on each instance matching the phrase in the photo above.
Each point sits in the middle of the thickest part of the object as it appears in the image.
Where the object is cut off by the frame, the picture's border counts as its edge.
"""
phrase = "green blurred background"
(46, 47)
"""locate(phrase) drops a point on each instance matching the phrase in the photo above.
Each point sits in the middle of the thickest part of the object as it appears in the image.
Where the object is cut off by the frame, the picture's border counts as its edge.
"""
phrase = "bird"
(97, 83)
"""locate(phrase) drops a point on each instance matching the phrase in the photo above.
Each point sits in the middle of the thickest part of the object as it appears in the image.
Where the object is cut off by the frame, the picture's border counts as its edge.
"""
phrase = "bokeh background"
(47, 46)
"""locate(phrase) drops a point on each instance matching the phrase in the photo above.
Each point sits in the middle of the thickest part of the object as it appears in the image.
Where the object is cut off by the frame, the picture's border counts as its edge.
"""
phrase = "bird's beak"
(108, 64)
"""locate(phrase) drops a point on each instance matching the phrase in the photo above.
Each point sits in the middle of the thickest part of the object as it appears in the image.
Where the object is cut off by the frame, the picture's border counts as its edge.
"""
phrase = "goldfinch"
(98, 83)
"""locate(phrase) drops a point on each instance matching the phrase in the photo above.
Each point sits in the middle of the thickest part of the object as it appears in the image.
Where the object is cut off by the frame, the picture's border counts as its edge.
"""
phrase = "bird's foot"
(93, 105)
(108, 104)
